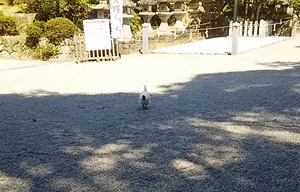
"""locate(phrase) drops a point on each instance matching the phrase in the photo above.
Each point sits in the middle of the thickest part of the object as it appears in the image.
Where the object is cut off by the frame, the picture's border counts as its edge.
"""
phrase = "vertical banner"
(97, 34)
(116, 18)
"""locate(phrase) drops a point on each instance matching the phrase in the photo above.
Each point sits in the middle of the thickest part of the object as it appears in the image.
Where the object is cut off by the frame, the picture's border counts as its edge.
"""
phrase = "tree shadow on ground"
(220, 132)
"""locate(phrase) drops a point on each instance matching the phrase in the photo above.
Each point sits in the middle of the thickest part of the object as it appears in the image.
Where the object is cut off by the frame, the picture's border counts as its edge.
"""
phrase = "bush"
(40, 24)
(45, 52)
(34, 32)
(58, 29)
(8, 26)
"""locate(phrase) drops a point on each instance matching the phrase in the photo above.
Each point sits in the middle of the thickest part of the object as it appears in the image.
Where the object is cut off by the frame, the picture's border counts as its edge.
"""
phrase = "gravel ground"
(216, 123)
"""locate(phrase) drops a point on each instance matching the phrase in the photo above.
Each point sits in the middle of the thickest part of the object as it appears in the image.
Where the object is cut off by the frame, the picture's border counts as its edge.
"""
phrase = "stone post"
(145, 33)
(235, 37)
(230, 29)
(294, 27)
(262, 28)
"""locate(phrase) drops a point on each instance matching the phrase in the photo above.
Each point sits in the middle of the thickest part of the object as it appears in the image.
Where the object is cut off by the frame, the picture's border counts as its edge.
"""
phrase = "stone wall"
(13, 47)
(134, 46)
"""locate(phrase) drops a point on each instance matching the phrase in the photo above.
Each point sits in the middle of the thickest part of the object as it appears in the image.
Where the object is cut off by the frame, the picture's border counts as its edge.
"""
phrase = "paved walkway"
(216, 123)
(221, 45)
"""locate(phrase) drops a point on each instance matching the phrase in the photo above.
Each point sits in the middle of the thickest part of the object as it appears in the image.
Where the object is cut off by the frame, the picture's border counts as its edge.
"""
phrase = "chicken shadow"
(219, 132)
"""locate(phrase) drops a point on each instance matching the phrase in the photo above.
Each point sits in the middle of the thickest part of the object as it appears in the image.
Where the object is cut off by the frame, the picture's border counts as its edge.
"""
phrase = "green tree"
(75, 10)
(296, 5)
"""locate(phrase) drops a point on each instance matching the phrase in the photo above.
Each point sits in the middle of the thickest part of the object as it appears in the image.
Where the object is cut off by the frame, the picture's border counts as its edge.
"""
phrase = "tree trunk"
(257, 12)
(246, 9)
(57, 8)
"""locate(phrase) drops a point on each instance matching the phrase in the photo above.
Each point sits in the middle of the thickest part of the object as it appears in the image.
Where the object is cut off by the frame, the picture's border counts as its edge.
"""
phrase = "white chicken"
(144, 98)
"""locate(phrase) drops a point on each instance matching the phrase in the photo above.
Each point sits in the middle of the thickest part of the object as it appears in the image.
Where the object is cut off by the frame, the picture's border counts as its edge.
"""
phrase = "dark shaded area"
(189, 139)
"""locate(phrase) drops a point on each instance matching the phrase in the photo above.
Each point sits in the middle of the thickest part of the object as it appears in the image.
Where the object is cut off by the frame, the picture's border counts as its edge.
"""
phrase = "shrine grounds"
(216, 123)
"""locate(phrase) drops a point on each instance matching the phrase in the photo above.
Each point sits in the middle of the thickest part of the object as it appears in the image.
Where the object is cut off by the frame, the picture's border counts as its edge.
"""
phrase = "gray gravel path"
(216, 123)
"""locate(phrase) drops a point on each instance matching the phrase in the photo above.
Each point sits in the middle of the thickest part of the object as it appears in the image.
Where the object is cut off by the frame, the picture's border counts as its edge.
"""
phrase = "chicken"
(144, 98)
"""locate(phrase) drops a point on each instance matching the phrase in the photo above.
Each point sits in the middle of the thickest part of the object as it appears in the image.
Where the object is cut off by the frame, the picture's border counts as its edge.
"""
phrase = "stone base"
(164, 29)
(179, 27)
(126, 32)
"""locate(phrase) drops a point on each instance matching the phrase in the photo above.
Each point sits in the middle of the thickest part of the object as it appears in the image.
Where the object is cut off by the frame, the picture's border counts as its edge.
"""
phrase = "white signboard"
(116, 17)
(97, 34)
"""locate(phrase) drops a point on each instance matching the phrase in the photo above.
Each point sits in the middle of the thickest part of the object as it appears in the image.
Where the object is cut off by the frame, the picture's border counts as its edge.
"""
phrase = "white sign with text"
(116, 17)
(97, 34)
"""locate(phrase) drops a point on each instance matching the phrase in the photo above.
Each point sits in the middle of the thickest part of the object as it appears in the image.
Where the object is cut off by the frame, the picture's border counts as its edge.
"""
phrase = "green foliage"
(8, 26)
(58, 29)
(47, 10)
(45, 52)
(40, 24)
(18, 2)
(296, 5)
(94, 2)
(34, 32)
(75, 10)
(284, 30)
(135, 23)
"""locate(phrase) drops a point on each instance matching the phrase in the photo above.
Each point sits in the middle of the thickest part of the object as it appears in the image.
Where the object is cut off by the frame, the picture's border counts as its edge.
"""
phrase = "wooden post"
(255, 28)
(241, 28)
(245, 28)
(250, 31)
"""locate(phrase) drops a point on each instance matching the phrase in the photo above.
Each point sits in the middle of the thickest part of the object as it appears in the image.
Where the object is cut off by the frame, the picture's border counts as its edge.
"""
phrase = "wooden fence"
(95, 55)
(249, 28)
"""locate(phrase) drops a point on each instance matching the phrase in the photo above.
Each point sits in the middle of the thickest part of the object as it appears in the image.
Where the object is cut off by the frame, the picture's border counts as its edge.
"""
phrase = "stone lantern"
(163, 12)
(126, 30)
(179, 12)
(102, 10)
(147, 13)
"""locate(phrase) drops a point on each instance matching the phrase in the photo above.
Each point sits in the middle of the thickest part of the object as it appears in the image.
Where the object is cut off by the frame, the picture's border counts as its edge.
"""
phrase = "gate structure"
(97, 43)
(83, 55)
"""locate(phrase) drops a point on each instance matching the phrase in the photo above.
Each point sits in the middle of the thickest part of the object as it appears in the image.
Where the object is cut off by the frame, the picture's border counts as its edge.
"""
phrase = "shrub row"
(55, 30)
